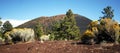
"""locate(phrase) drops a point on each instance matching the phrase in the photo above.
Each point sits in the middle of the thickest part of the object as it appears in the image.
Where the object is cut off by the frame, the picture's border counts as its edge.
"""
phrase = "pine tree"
(38, 31)
(70, 30)
(66, 29)
(108, 12)
(55, 31)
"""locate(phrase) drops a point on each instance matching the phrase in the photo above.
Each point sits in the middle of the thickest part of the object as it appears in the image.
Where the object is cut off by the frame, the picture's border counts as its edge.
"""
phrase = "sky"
(20, 11)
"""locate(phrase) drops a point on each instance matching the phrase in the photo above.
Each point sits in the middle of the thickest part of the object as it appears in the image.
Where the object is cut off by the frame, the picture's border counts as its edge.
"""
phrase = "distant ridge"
(82, 21)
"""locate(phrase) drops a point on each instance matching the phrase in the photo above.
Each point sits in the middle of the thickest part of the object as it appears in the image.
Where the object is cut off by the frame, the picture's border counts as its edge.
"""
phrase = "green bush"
(52, 36)
(38, 31)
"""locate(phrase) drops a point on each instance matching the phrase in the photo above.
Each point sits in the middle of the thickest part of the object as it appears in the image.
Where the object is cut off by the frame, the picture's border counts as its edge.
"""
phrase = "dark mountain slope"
(82, 21)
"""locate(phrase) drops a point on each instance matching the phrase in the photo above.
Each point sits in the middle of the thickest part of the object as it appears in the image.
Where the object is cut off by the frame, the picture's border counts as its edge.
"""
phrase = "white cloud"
(15, 22)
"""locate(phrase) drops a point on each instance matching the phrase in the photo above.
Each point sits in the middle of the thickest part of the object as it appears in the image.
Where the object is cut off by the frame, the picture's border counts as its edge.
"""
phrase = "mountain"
(82, 21)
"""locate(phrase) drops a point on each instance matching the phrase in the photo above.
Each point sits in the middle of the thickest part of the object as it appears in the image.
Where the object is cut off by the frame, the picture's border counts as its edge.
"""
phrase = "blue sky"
(20, 11)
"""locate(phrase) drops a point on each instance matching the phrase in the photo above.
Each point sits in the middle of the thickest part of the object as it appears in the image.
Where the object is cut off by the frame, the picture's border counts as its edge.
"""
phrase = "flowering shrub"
(105, 30)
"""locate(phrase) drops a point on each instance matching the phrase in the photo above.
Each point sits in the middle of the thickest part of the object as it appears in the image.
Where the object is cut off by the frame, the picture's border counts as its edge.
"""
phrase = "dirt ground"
(59, 47)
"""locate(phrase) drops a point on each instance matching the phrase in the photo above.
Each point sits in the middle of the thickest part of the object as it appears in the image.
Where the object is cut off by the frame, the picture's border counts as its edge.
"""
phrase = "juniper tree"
(7, 26)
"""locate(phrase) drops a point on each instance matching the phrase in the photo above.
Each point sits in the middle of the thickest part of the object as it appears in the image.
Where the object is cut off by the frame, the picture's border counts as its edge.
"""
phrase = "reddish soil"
(58, 47)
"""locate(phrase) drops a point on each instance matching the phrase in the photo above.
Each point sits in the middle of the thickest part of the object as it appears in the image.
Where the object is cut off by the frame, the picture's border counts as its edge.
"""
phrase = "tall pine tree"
(70, 30)
(66, 29)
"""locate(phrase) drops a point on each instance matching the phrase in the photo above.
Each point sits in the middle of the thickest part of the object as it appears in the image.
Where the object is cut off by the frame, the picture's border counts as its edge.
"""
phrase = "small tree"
(38, 31)
(108, 12)
(55, 31)
(7, 26)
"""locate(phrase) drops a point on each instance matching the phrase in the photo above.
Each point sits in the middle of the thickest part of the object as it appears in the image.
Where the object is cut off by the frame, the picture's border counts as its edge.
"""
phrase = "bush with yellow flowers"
(110, 28)
(105, 30)
(88, 37)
